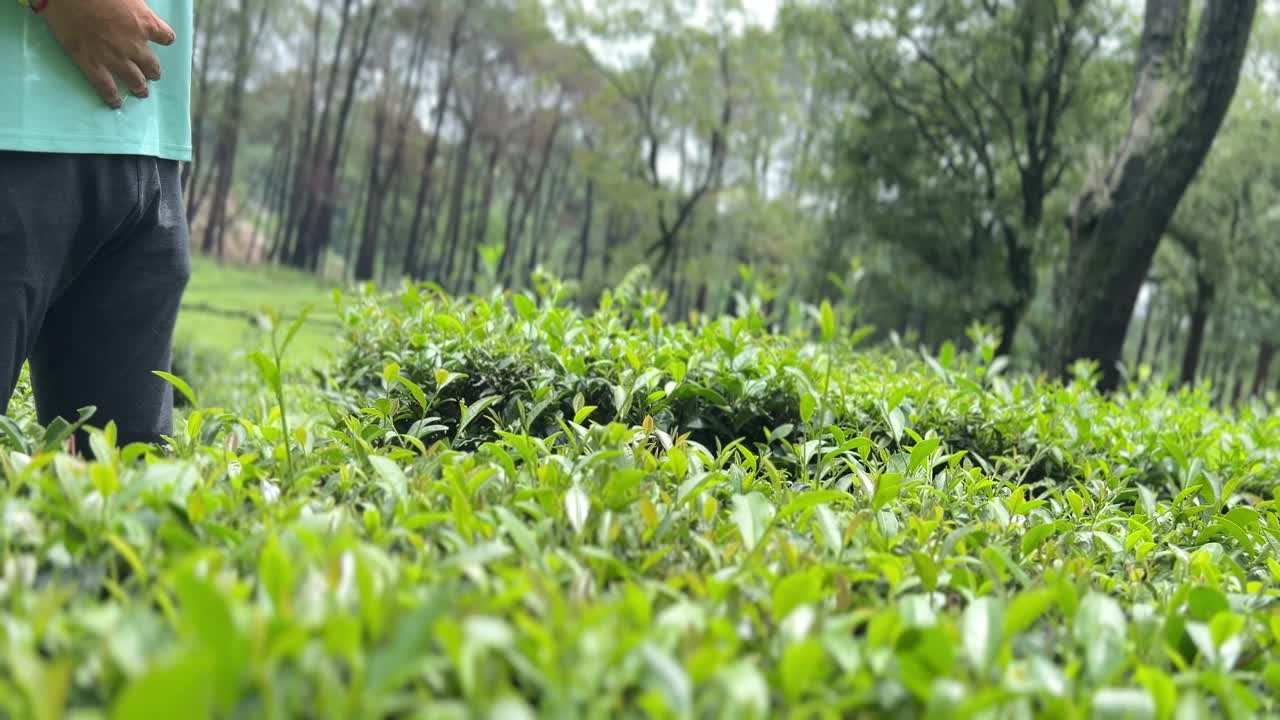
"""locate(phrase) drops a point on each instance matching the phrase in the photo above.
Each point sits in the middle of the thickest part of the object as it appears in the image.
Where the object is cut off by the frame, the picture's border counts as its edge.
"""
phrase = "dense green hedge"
(505, 508)
(531, 362)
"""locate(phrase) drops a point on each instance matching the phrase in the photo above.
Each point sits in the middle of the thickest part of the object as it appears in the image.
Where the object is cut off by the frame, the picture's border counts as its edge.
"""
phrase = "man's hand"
(109, 39)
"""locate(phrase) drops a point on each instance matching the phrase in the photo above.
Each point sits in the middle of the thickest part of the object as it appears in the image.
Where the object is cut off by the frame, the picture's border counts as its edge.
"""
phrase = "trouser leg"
(104, 337)
(42, 214)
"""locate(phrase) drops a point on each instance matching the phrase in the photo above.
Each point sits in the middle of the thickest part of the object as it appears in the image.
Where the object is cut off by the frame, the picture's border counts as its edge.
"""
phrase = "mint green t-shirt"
(49, 106)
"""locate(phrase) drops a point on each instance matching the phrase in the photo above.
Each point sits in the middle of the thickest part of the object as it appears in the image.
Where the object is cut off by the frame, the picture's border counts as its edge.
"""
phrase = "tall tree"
(971, 112)
(249, 41)
(1116, 223)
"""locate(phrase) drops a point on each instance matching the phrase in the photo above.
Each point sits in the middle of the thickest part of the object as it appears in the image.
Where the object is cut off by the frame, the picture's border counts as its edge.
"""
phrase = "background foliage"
(934, 149)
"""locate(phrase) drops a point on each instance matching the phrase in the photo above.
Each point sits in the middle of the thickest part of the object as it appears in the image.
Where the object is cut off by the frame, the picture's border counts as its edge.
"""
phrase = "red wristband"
(39, 6)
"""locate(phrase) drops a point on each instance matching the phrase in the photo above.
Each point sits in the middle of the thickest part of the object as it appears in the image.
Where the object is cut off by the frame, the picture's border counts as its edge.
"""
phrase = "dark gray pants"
(93, 264)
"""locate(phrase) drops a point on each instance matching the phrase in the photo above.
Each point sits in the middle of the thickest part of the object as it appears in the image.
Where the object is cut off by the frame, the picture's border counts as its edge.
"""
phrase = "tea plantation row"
(502, 507)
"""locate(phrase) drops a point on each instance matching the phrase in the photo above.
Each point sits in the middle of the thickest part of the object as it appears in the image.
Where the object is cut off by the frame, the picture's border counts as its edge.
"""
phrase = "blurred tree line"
(1089, 178)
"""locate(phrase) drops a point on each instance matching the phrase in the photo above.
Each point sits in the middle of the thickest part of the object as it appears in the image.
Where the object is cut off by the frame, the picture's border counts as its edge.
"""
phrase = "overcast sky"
(764, 10)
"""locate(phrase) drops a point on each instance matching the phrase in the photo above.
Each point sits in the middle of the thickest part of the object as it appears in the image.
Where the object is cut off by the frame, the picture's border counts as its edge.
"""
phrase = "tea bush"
(505, 507)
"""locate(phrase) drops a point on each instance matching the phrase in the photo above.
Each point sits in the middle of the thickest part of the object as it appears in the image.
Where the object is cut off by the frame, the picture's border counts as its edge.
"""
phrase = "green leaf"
(10, 429)
(1161, 688)
(1076, 503)
(390, 372)
(673, 681)
(276, 574)
(577, 505)
(887, 487)
(797, 589)
(169, 690)
(267, 369)
(897, 423)
(1224, 626)
(1099, 629)
(751, 513)
(927, 569)
(811, 499)
(922, 453)
(947, 355)
(520, 533)
(808, 406)
(294, 327)
(828, 321)
(524, 306)
(46, 683)
(207, 620)
(1123, 704)
(1204, 603)
(1036, 536)
(1272, 676)
(472, 412)
(511, 707)
(746, 688)
(449, 324)
(415, 390)
(1025, 610)
(829, 529)
(804, 667)
(180, 385)
(130, 556)
(677, 462)
(397, 658)
(396, 482)
(982, 627)
(583, 413)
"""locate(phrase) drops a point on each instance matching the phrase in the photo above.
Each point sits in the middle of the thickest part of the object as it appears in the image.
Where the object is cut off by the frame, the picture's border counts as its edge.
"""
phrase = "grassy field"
(223, 303)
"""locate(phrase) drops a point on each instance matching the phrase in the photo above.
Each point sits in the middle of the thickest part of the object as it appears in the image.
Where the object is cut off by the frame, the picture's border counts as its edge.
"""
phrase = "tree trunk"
(1117, 222)
(248, 39)
(538, 247)
(313, 142)
(519, 193)
(192, 172)
(534, 195)
(328, 197)
(1199, 321)
(373, 203)
(417, 254)
(1020, 265)
(1266, 354)
(453, 231)
(278, 200)
(584, 236)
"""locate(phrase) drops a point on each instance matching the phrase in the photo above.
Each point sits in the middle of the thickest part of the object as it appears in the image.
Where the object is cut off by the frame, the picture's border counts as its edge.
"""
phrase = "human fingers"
(134, 79)
(149, 64)
(104, 83)
(160, 32)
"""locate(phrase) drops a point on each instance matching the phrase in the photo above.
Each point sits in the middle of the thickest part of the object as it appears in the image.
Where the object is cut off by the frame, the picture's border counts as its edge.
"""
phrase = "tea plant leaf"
(804, 667)
(752, 513)
(828, 321)
(470, 413)
(1100, 629)
(672, 680)
(983, 628)
(922, 453)
(486, 507)
(1161, 688)
(180, 385)
(175, 689)
(577, 505)
(1025, 610)
(811, 500)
